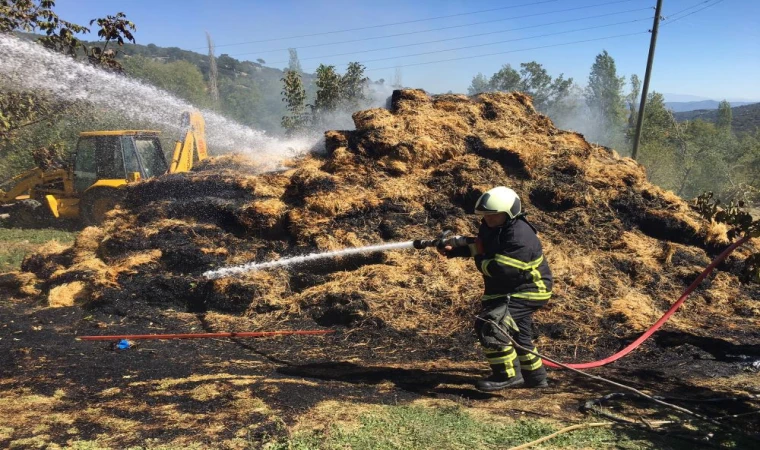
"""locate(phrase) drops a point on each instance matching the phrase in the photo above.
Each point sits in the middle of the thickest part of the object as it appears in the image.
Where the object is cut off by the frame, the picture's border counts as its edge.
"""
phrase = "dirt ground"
(56, 391)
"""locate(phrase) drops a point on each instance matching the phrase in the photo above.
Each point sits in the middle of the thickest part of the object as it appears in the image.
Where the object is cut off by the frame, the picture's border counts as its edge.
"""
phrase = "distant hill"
(703, 104)
(242, 78)
(744, 118)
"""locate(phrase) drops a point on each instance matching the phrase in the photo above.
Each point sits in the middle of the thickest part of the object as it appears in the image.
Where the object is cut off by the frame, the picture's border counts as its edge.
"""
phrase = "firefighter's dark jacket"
(512, 262)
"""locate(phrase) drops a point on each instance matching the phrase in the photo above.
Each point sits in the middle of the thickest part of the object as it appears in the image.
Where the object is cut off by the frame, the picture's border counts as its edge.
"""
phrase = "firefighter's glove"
(444, 238)
(490, 335)
(443, 247)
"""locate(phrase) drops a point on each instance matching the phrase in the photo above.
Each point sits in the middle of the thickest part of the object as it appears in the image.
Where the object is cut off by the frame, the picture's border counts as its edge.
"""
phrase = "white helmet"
(499, 200)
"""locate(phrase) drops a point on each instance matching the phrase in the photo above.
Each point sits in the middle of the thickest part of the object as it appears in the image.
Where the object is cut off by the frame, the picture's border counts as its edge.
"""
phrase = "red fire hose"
(664, 318)
(256, 334)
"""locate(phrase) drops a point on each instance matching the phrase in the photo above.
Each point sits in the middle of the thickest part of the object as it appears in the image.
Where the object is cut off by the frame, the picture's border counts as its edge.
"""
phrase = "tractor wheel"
(96, 203)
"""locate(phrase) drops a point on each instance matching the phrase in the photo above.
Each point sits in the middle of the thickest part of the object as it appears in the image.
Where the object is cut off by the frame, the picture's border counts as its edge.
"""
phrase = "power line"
(468, 36)
(509, 51)
(432, 29)
(686, 9)
(387, 24)
(694, 12)
(502, 42)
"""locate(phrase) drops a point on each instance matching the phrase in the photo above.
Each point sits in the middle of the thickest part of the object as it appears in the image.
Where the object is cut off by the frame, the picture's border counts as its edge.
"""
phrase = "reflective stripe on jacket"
(512, 262)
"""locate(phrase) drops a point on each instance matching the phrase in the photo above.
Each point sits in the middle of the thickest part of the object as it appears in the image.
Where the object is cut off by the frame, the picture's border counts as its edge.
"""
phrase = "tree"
(532, 79)
(228, 63)
(295, 96)
(328, 90)
(749, 159)
(692, 157)
(31, 15)
(703, 152)
(633, 102)
(724, 116)
(23, 109)
(479, 85)
(241, 102)
(352, 86)
(180, 78)
(112, 28)
(294, 64)
(604, 97)
(506, 79)
(659, 121)
(260, 61)
(19, 110)
(537, 82)
(663, 146)
(686, 157)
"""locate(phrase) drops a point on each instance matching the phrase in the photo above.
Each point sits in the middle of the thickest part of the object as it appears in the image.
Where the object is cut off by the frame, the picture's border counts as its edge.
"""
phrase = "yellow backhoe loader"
(103, 163)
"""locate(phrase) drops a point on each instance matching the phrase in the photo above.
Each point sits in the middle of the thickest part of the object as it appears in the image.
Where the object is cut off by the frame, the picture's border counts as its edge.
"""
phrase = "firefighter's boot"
(498, 381)
(533, 371)
(505, 374)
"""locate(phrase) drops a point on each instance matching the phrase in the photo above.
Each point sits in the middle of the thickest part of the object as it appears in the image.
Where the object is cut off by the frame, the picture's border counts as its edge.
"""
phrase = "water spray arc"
(419, 244)
(28, 66)
(250, 267)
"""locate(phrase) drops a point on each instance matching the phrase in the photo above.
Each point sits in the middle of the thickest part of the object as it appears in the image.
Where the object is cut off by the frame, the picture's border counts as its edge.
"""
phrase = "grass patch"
(401, 427)
(16, 243)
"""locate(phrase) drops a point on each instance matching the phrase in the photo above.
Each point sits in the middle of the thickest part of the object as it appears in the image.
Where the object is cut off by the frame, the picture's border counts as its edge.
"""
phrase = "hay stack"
(621, 249)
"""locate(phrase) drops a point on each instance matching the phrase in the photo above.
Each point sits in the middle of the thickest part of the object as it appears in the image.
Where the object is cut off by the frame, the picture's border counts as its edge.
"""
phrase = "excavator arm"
(21, 185)
(193, 145)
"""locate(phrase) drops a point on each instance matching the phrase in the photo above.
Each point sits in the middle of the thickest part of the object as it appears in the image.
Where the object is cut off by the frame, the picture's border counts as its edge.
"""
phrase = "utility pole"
(645, 90)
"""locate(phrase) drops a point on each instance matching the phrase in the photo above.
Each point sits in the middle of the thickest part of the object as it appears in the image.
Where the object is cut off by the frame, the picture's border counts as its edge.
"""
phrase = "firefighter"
(518, 282)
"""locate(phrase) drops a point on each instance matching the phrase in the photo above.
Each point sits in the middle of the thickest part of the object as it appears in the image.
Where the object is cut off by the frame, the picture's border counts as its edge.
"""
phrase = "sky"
(706, 49)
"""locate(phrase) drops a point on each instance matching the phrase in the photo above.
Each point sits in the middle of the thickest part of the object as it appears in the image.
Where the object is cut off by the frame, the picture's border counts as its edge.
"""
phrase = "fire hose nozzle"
(453, 241)
(420, 244)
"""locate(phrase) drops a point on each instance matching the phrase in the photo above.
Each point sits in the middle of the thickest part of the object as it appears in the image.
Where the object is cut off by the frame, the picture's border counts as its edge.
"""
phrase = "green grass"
(15, 244)
(407, 427)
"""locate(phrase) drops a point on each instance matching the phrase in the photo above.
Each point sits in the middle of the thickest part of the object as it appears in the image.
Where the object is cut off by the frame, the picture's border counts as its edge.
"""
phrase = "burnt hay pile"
(621, 249)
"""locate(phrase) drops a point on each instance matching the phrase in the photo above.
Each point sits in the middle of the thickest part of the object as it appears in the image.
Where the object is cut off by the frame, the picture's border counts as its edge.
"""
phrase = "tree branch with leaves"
(295, 97)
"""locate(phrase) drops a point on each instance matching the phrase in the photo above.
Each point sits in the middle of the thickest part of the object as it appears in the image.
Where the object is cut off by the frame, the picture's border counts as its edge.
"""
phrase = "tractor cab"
(117, 155)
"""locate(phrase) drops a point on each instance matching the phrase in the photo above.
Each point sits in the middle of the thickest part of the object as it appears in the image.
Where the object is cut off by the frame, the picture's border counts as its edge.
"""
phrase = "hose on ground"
(633, 345)
(614, 383)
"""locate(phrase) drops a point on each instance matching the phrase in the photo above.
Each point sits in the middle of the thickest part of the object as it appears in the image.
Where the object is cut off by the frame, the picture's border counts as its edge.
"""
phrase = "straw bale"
(646, 249)
(398, 189)
(24, 283)
(636, 309)
(338, 240)
(723, 289)
(272, 208)
(345, 200)
(68, 294)
(377, 118)
(717, 233)
(235, 162)
(130, 263)
(47, 259)
(88, 240)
